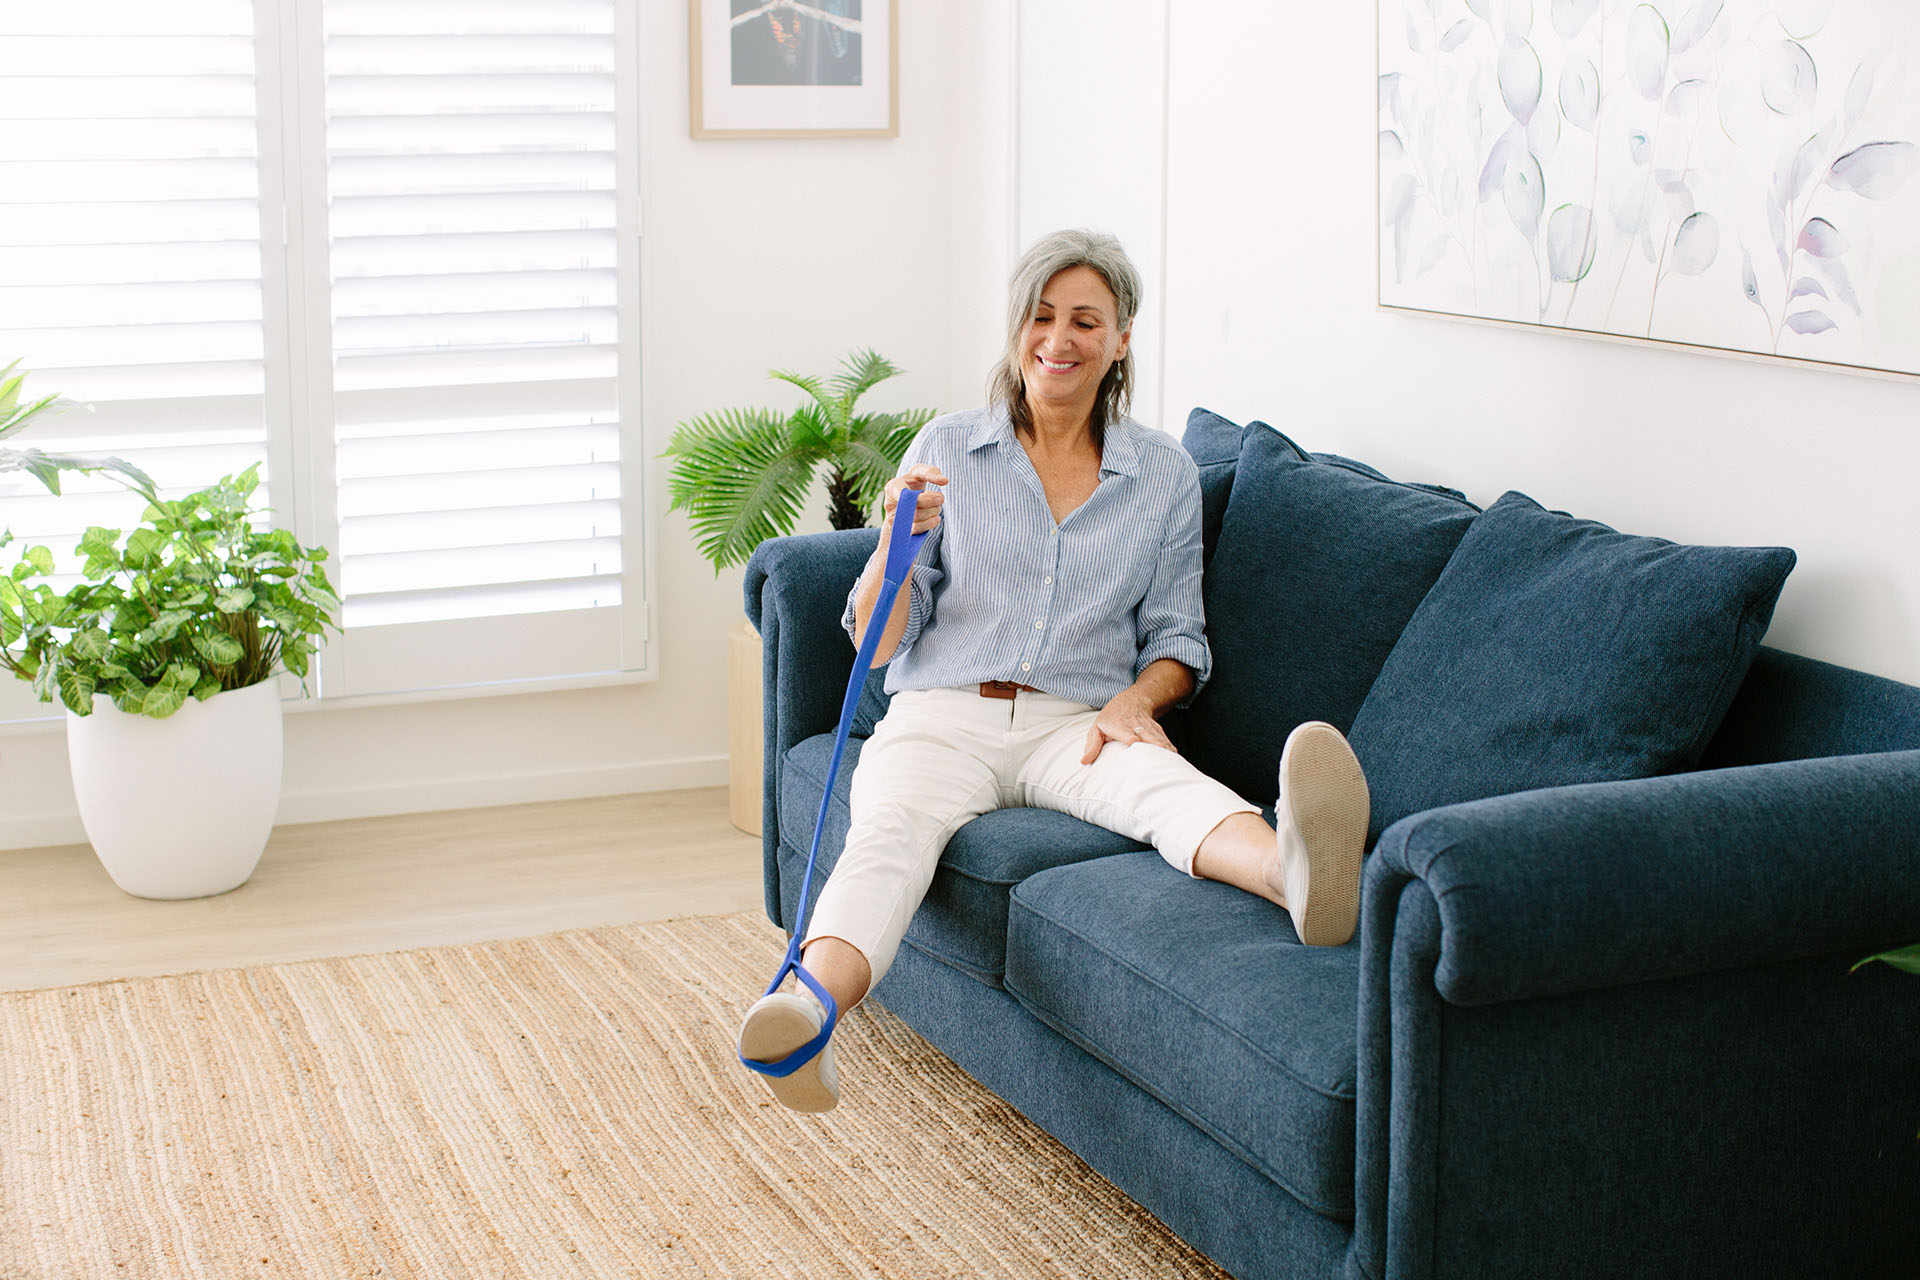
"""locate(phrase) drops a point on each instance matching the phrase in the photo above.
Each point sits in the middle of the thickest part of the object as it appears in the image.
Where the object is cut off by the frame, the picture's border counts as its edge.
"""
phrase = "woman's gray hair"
(1049, 256)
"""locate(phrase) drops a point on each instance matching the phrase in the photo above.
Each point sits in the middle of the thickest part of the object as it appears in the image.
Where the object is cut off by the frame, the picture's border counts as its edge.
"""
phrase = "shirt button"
(1026, 666)
(1048, 581)
(1037, 624)
(1053, 533)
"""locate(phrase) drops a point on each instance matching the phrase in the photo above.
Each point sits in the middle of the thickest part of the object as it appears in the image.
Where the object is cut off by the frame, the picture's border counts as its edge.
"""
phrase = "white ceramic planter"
(181, 807)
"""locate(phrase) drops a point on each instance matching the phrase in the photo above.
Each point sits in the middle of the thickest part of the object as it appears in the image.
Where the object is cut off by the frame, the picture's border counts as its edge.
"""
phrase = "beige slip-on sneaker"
(1321, 821)
(774, 1027)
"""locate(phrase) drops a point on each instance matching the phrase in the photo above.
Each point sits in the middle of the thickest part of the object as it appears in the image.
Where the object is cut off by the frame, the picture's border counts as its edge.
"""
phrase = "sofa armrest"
(796, 591)
(1612, 1029)
(1569, 888)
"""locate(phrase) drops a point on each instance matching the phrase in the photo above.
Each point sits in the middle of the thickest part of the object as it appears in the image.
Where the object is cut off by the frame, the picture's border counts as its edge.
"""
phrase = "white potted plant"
(164, 656)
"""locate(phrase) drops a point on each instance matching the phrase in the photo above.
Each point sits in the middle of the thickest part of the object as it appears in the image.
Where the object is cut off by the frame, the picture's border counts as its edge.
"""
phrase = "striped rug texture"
(558, 1106)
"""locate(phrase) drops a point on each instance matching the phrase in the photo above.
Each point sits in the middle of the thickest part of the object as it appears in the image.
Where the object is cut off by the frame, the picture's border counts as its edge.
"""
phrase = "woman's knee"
(1127, 768)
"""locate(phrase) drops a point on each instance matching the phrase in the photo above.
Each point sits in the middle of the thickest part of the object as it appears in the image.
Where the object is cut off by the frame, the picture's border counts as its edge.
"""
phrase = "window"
(386, 248)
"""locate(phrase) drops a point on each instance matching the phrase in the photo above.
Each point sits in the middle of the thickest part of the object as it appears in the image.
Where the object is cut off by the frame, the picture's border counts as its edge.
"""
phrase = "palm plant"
(741, 474)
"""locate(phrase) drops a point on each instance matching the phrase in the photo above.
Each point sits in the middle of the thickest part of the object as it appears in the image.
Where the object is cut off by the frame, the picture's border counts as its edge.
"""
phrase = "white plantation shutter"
(479, 221)
(131, 266)
(388, 247)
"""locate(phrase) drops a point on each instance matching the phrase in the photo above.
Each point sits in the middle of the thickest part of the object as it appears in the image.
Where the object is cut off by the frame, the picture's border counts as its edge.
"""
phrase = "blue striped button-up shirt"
(1078, 609)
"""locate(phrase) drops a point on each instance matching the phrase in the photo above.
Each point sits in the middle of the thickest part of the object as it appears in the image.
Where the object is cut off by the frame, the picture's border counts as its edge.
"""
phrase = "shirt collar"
(995, 425)
(1119, 452)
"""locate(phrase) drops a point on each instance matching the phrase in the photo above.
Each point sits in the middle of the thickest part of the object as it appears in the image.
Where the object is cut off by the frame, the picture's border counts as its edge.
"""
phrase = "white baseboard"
(31, 831)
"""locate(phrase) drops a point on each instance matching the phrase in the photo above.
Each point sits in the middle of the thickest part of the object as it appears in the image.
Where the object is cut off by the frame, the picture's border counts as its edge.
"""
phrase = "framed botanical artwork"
(795, 68)
(1730, 175)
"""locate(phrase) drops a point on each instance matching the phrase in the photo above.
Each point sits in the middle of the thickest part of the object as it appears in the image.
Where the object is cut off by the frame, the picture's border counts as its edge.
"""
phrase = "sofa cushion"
(1201, 994)
(1319, 566)
(1214, 444)
(963, 920)
(1337, 460)
(1556, 651)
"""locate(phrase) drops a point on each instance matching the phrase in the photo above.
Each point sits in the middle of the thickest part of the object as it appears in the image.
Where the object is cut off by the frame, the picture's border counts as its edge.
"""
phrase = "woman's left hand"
(1127, 718)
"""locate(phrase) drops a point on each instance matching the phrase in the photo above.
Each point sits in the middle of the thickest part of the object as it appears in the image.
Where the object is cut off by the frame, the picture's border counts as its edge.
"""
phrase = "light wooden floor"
(386, 884)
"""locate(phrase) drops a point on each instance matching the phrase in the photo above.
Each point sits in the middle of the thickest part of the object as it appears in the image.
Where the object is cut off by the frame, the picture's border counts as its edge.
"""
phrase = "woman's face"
(1072, 340)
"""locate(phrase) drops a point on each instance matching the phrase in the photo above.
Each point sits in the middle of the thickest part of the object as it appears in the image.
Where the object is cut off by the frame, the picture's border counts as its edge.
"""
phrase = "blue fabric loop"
(901, 549)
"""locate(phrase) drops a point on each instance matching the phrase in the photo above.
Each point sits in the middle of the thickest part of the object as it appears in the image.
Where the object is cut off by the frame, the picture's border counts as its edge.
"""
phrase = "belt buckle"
(1006, 689)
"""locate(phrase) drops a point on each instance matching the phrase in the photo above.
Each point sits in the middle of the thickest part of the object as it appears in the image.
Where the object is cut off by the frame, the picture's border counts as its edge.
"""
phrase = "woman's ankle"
(841, 968)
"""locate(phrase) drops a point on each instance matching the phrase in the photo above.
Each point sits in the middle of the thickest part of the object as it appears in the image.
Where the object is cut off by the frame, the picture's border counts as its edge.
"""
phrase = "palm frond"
(892, 433)
(829, 404)
(740, 478)
(13, 415)
(900, 426)
(46, 468)
(813, 431)
(700, 442)
(863, 371)
(878, 443)
(719, 424)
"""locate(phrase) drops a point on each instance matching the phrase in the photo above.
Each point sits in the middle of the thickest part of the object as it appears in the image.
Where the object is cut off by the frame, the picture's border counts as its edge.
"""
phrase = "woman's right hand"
(926, 509)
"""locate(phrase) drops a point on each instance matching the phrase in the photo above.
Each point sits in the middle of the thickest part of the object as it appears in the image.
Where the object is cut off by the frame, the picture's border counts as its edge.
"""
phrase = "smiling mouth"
(1055, 367)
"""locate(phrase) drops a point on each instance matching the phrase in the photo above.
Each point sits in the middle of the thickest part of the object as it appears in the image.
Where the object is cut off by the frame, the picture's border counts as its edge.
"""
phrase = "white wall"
(1092, 135)
(1270, 211)
(755, 255)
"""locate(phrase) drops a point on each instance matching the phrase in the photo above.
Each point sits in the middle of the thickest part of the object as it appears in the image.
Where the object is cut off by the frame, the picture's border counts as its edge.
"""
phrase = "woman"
(1049, 620)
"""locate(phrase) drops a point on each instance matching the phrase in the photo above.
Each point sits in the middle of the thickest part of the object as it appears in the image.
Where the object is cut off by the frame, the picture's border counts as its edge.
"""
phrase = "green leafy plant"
(1903, 958)
(195, 601)
(741, 474)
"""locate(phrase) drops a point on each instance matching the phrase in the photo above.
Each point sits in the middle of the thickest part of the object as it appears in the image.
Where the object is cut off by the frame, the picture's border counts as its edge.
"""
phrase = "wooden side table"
(745, 736)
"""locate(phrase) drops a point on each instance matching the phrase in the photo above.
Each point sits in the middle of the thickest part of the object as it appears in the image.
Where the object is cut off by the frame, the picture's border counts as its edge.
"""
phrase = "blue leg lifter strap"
(901, 548)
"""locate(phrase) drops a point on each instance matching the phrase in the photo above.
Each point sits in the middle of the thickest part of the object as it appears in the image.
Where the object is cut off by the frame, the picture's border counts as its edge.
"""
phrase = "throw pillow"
(1318, 568)
(1555, 651)
(1214, 444)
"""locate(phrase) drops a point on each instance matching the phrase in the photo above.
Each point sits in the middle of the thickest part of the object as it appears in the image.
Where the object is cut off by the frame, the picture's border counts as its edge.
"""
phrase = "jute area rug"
(557, 1106)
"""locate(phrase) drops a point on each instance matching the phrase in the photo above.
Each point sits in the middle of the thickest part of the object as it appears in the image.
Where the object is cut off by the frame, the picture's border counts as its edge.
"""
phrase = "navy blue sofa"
(1607, 1029)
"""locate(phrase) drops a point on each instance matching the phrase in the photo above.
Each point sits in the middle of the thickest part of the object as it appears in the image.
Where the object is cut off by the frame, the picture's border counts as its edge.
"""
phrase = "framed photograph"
(795, 68)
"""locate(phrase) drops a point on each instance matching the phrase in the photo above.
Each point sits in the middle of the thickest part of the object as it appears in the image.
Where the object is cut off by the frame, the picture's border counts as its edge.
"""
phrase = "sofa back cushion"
(1555, 651)
(1319, 565)
(1214, 444)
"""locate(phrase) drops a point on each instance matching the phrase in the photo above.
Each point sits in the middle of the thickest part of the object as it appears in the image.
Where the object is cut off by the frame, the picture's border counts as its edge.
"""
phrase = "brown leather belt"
(1004, 689)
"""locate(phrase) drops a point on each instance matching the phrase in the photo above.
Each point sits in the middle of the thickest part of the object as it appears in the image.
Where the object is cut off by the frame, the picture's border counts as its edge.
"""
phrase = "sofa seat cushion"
(1556, 651)
(1202, 995)
(1319, 564)
(963, 920)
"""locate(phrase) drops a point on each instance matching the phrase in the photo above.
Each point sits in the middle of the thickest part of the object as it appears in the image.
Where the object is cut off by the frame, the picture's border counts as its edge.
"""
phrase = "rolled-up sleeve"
(1171, 620)
(921, 582)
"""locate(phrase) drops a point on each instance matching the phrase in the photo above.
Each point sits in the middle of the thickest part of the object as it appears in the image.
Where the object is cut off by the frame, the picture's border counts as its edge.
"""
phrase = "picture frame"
(794, 68)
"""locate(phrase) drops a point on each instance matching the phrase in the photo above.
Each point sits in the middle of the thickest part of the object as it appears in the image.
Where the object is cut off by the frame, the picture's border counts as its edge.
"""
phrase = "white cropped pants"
(942, 757)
